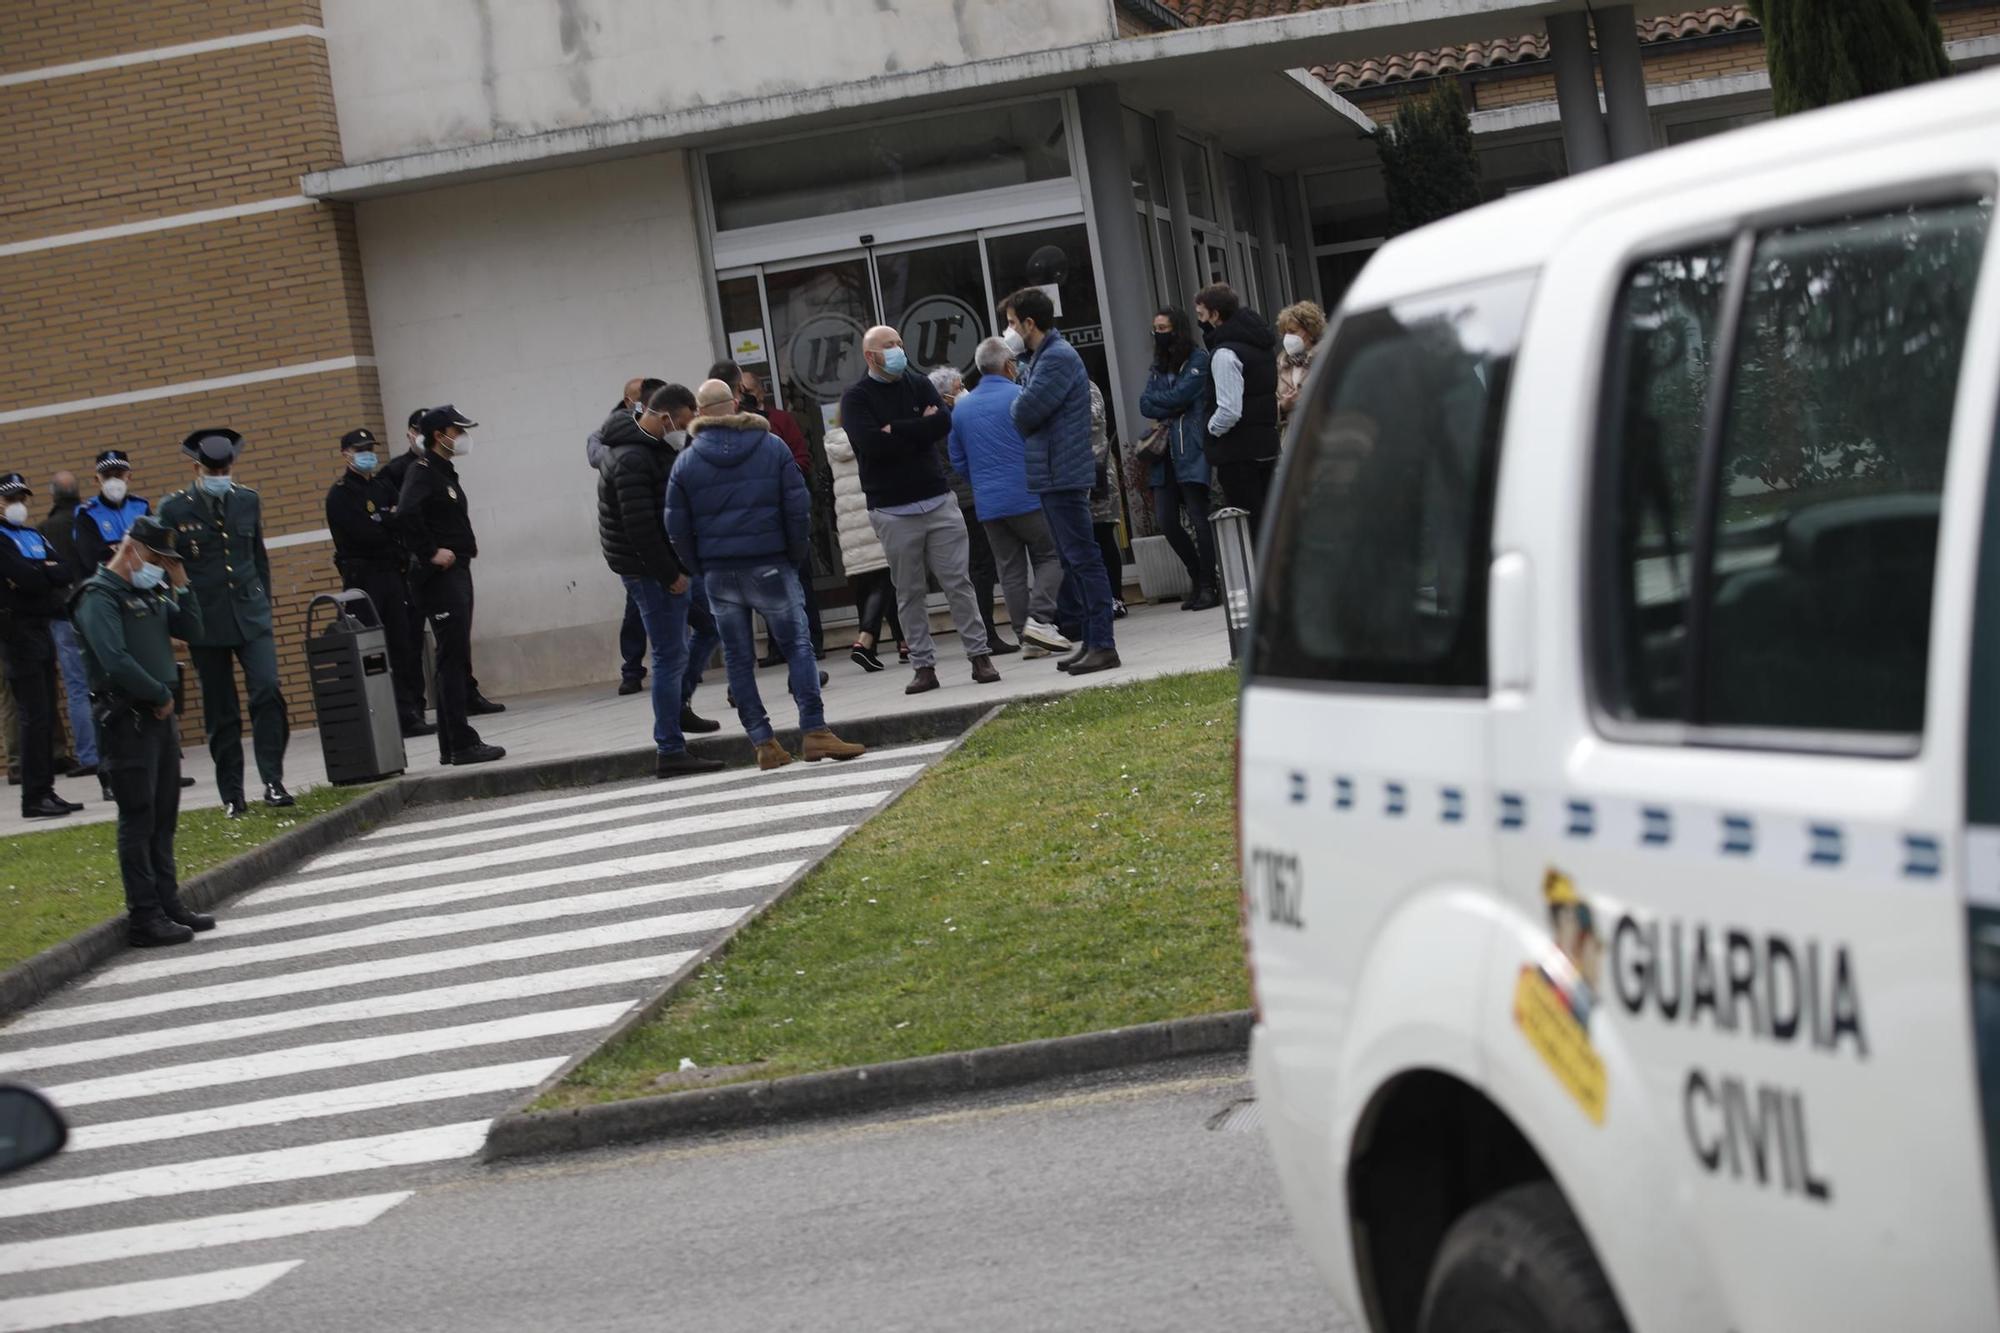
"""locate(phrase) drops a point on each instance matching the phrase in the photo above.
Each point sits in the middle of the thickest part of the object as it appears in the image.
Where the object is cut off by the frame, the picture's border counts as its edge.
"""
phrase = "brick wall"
(35, 34)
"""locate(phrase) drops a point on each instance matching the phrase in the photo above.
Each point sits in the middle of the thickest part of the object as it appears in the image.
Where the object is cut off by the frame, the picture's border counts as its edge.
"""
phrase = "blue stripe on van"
(1829, 845)
(1395, 799)
(1658, 828)
(1298, 789)
(1582, 820)
(1343, 793)
(1923, 858)
(1739, 835)
(1513, 811)
(1452, 802)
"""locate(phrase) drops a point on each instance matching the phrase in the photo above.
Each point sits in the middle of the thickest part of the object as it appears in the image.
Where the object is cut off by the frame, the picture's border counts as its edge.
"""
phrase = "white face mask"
(1015, 345)
(1294, 345)
(114, 490)
(17, 513)
(416, 440)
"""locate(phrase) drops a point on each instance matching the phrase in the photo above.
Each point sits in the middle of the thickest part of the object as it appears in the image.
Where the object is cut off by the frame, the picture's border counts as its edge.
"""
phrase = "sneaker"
(277, 797)
(983, 672)
(902, 655)
(1044, 635)
(680, 763)
(624, 687)
(1118, 611)
(923, 682)
(1097, 659)
(694, 724)
(1031, 651)
(154, 930)
(480, 704)
(865, 658)
(772, 755)
(478, 754)
(823, 744)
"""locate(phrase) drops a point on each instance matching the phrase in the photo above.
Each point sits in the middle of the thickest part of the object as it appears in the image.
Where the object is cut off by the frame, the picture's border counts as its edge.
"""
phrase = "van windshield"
(1375, 571)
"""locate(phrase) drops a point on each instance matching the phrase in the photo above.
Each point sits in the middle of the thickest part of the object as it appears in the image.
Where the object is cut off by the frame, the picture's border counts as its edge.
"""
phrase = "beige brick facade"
(36, 34)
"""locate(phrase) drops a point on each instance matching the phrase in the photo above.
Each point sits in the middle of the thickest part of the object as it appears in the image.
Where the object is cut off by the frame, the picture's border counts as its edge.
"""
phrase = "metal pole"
(1235, 554)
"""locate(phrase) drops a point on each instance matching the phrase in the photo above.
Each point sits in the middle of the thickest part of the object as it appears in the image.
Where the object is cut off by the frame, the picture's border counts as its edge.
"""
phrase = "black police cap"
(359, 438)
(443, 418)
(214, 445)
(13, 483)
(113, 460)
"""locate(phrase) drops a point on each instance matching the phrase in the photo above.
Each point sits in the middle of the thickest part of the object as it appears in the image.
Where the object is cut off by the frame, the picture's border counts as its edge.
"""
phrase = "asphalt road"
(1103, 1203)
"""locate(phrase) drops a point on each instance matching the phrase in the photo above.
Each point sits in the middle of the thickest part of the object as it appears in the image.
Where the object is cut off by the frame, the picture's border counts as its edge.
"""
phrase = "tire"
(1519, 1263)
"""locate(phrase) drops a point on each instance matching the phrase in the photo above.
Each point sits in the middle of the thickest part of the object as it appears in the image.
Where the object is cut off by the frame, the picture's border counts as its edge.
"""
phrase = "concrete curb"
(867, 1087)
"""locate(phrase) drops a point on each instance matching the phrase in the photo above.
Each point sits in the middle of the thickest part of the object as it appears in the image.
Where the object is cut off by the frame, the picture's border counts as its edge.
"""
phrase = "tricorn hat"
(214, 445)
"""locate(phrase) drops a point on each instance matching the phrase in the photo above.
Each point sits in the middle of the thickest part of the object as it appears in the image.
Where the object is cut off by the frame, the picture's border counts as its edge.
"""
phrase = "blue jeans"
(665, 616)
(773, 592)
(703, 638)
(1084, 579)
(76, 684)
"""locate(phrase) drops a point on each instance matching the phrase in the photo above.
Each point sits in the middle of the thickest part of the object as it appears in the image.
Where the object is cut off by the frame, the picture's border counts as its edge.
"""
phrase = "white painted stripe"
(331, 1055)
(183, 389)
(456, 923)
(658, 805)
(411, 1147)
(299, 539)
(727, 881)
(155, 1039)
(346, 974)
(582, 844)
(195, 1233)
(776, 844)
(765, 782)
(169, 223)
(158, 53)
(438, 1087)
(136, 1298)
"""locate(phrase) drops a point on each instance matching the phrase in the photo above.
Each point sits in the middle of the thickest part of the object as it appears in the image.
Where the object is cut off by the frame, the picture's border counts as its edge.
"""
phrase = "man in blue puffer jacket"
(1053, 416)
(739, 515)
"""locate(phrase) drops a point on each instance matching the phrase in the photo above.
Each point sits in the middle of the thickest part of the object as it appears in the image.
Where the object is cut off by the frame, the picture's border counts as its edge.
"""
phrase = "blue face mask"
(365, 461)
(894, 363)
(147, 577)
(216, 485)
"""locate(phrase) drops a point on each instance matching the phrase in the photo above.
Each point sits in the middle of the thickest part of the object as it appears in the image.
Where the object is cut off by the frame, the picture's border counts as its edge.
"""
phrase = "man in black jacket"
(1243, 436)
(360, 509)
(631, 525)
(34, 583)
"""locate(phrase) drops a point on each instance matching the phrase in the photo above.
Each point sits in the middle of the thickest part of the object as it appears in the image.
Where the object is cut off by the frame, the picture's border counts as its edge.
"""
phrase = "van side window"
(1381, 536)
(1778, 574)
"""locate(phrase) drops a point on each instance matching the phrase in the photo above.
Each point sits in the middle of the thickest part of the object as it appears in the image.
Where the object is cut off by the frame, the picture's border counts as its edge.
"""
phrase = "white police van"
(1620, 748)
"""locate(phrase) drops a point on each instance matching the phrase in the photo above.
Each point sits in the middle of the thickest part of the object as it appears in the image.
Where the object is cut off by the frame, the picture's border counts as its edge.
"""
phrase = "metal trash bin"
(353, 693)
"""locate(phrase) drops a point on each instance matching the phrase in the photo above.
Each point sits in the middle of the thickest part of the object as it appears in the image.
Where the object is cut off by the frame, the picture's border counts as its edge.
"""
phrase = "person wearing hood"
(631, 526)
(748, 386)
(631, 630)
(34, 583)
(219, 526)
(360, 512)
(739, 516)
(1243, 428)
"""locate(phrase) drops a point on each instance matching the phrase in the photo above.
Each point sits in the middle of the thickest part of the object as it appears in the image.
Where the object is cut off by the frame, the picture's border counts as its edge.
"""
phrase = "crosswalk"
(345, 1036)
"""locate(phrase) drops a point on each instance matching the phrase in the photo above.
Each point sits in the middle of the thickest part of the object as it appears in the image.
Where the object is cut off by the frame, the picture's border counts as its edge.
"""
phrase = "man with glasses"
(219, 527)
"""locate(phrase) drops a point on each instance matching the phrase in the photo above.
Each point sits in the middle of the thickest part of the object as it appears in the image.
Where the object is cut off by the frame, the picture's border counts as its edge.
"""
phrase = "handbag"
(1153, 444)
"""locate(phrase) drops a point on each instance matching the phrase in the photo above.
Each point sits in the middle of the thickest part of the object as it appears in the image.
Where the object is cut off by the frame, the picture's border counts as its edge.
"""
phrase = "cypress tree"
(1428, 163)
(1825, 51)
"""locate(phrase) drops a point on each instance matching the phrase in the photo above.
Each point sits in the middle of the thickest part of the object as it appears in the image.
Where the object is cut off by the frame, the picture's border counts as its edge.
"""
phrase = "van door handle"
(1511, 622)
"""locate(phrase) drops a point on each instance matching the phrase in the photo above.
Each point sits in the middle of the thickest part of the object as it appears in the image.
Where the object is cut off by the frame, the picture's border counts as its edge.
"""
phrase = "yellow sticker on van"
(1547, 1019)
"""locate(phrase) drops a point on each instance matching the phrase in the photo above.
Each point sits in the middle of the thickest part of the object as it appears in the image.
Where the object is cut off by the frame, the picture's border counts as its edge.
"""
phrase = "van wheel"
(1519, 1263)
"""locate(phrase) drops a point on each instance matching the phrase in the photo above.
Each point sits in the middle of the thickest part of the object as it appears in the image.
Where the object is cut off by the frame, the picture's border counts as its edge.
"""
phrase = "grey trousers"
(1017, 541)
(934, 544)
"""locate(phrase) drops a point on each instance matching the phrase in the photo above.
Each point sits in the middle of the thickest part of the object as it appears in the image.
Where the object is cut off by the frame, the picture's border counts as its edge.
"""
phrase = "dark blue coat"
(736, 497)
(1181, 399)
(1053, 416)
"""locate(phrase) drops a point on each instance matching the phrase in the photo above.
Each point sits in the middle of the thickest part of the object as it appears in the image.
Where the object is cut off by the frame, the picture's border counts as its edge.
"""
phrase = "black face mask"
(751, 402)
(1163, 342)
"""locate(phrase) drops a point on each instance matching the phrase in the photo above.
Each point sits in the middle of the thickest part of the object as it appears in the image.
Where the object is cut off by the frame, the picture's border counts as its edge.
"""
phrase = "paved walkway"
(345, 1035)
(1153, 641)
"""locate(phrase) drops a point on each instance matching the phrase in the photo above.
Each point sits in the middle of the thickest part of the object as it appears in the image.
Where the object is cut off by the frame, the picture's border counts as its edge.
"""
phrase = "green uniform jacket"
(128, 636)
(228, 568)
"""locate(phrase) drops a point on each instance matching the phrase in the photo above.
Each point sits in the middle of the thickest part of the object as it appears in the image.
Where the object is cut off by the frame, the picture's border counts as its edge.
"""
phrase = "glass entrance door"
(818, 313)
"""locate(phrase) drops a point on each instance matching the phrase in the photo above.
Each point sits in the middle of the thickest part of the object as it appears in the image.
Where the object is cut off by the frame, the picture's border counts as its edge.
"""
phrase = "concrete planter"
(1162, 576)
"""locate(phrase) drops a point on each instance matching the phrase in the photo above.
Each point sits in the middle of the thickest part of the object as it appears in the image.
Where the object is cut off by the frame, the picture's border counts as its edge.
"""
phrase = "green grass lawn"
(1071, 868)
(61, 880)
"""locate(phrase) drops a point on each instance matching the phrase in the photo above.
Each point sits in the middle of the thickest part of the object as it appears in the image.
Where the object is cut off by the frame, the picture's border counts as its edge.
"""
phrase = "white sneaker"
(1047, 636)
(1031, 651)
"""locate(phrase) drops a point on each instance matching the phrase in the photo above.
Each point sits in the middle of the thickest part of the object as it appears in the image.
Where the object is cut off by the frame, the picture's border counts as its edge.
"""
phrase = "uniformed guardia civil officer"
(368, 555)
(434, 522)
(34, 584)
(127, 614)
(101, 521)
(219, 529)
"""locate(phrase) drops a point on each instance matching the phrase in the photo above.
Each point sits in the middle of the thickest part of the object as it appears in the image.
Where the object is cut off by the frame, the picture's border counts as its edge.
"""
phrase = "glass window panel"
(1511, 168)
(1348, 206)
(869, 166)
(818, 314)
(1237, 174)
(1142, 153)
(1194, 174)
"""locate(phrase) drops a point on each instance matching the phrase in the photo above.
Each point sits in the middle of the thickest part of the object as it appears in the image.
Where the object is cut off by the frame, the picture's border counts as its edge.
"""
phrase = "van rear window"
(1376, 565)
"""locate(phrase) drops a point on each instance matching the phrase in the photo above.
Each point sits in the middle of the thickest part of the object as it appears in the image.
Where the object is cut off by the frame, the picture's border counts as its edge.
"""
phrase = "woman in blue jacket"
(1177, 396)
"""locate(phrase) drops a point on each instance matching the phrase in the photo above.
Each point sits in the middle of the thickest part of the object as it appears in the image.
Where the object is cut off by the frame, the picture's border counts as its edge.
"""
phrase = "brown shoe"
(983, 672)
(923, 682)
(823, 744)
(772, 755)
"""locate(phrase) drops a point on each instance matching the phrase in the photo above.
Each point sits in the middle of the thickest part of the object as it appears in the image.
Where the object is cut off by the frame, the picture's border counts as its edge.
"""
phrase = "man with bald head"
(895, 421)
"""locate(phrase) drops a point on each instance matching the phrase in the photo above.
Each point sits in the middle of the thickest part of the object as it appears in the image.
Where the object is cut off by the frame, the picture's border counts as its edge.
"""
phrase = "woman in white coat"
(861, 556)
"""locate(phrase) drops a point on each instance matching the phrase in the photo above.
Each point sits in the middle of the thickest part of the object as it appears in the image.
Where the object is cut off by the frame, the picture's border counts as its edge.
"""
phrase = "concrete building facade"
(298, 217)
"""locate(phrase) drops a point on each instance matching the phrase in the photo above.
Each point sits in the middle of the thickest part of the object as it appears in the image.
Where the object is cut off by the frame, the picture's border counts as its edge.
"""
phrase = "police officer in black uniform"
(359, 510)
(34, 584)
(434, 522)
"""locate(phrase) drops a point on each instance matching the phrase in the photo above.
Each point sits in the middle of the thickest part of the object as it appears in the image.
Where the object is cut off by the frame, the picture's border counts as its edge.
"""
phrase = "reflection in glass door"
(818, 315)
(936, 298)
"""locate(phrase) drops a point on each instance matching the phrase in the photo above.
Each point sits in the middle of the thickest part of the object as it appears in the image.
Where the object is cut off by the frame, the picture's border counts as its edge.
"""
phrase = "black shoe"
(998, 646)
(104, 789)
(47, 807)
(277, 797)
(62, 762)
(82, 771)
(74, 806)
(1097, 659)
(698, 725)
(823, 679)
(770, 660)
(680, 763)
(153, 930)
(1076, 654)
(186, 783)
(730, 696)
(819, 653)
(1205, 598)
(477, 754)
(631, 686)
(479, 705)
(13, 777)
(418, 727)
(864, 658)
(983, 672)
(177, 912)
(234, 809)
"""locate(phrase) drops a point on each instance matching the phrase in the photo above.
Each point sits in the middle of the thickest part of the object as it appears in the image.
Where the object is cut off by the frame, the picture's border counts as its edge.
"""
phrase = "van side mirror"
(31, 1129)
